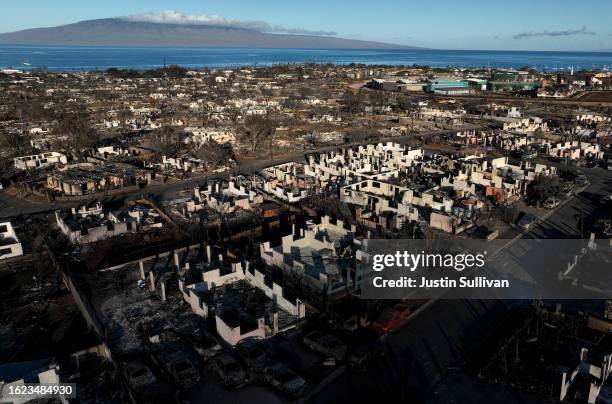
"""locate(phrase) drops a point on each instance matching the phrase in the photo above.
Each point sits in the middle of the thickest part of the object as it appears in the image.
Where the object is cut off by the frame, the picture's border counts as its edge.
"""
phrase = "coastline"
(91, 58)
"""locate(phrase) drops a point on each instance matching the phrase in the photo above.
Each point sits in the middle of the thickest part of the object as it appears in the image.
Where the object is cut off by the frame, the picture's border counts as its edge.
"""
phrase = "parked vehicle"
(566, 190)
(285, 380)
(325, 343)
(231, 373)
(178, 367)
(143, 385)
(528, 221)
(252, 355)
(365, 354)
(551, 202)
(207, 346)
(581, 180)
(138, 375)
(391, 318)
(605, 200)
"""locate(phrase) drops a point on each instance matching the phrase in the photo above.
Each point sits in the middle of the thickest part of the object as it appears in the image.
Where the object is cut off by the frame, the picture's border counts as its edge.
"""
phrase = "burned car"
(229, 370)
(252, 355)
(326, 344)
(137, 375)
(285, 380)
(207, 346)
(178, 367)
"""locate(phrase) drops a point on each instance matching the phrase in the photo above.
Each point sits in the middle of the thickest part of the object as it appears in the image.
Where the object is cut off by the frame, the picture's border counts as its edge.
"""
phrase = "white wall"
(13, 247)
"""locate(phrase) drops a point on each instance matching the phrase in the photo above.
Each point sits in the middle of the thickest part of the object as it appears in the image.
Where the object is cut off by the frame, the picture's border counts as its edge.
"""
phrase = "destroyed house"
(287, 182)
(90, 223)
(244, 311)
(576, 150)
(224, 197)
(87, 179)
(321, 255)
(242, 303)
(9, 242)
(39, 160)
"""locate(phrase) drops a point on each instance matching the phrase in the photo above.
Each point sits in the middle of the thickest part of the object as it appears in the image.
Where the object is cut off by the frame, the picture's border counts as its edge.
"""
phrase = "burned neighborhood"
(200, 234)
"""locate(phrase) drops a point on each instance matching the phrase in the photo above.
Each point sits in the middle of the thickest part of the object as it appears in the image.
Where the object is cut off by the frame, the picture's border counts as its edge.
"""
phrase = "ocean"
(76, 58)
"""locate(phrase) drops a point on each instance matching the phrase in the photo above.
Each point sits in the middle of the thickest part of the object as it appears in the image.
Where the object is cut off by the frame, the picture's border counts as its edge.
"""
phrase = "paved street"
(566, 222)
(436, 338)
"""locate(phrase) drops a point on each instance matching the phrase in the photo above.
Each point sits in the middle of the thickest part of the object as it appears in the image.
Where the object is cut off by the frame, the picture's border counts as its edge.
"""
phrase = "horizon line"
(403, 48)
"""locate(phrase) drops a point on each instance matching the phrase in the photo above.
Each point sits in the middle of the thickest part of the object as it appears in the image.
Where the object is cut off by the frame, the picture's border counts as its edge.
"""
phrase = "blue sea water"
(68, 58)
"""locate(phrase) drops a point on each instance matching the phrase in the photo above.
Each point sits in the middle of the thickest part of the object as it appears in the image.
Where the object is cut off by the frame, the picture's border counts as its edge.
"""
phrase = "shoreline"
(85, 58)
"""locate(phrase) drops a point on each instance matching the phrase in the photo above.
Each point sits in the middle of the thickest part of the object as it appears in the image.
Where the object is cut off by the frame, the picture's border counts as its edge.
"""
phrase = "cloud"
(176, 17)
(567, 32)
(496, 37)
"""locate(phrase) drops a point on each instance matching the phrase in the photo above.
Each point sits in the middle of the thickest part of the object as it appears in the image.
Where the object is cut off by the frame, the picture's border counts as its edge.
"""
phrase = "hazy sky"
(467, 24)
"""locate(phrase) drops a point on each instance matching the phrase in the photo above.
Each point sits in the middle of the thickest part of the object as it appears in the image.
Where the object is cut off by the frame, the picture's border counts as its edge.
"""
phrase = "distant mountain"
(123, 32)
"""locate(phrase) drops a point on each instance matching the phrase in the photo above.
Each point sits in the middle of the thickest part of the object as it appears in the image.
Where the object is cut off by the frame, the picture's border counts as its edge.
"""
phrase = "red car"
(391, 318)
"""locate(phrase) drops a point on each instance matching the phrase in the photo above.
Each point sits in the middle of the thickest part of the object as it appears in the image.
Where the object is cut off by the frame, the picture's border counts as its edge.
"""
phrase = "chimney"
(220, 257)
(208, 253)
(163, 291)
(351, 276)
(176, 260)
(151, 281)
(301, 308)
(141, 267)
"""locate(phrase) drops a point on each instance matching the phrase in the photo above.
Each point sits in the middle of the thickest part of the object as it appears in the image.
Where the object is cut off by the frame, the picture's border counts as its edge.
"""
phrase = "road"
(438, 337)
(571, 221)
(580, 212)
(493, 97)
(497, 98)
